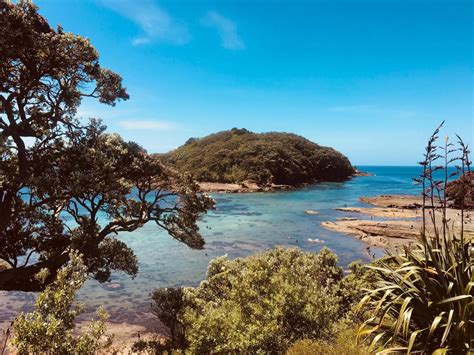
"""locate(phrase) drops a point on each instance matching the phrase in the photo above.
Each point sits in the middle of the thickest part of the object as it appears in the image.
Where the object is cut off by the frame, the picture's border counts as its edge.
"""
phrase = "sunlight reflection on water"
(243, 224)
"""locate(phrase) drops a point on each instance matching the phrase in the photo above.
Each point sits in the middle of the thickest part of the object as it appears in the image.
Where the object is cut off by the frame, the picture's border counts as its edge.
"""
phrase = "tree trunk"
(23, 279)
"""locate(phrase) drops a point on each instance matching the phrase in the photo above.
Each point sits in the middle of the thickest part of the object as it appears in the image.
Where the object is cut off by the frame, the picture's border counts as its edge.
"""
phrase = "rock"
(402, 222)
(389, 233)
(396, 201)
(246, 186)
(362, 173)
(311, 212)
(113, 286)
(315, 241)
(392, 213)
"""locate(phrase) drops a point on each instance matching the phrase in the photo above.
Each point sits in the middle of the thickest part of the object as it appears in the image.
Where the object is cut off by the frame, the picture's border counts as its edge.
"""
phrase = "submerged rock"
(113, 286)
(315, 241)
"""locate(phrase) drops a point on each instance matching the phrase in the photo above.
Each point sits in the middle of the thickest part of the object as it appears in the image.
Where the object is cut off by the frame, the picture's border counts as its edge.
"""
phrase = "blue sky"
(369, 78)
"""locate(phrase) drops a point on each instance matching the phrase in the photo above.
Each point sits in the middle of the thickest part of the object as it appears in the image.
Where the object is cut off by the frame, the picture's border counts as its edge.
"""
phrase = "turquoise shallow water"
(243, 224)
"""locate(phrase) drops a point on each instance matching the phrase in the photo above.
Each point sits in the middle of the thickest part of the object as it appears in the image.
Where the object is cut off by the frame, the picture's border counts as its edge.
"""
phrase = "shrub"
(154, 346)
(461, 191)
(351, 286)
(49, 328)
(264, 303)
(168, 306)
(344, 344)
(422, 299)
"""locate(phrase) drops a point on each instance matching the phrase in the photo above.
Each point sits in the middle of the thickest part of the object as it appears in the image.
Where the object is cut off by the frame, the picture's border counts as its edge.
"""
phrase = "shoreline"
(252, 187)
(124, 335)
(400, 220)
(247, 187)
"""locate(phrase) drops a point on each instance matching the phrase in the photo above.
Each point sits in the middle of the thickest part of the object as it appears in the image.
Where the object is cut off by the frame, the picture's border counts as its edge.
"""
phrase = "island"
(239, 160)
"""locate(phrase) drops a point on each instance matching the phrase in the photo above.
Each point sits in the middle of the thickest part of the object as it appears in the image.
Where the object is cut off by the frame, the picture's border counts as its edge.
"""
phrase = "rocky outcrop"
(401, 224)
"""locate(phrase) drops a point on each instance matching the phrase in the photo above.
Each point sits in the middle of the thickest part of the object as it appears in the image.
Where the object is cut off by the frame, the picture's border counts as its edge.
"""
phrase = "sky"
(372, 79)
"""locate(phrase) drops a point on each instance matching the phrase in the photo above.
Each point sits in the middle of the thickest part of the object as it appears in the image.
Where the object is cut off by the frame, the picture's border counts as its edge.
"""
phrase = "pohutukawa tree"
(59, 175)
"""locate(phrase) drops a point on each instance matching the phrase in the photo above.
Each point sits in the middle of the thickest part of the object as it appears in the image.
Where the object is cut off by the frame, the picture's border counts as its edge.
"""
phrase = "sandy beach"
(244, 187)
(248, 186)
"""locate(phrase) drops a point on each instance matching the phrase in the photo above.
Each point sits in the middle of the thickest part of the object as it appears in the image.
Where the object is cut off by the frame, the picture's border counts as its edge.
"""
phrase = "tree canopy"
(58, 175)
(268, 158)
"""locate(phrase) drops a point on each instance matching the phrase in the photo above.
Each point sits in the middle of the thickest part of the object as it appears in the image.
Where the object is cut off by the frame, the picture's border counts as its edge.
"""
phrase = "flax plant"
(423, 300)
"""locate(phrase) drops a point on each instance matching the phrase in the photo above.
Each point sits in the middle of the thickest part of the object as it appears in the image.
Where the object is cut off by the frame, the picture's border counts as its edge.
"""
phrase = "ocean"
(242, 225)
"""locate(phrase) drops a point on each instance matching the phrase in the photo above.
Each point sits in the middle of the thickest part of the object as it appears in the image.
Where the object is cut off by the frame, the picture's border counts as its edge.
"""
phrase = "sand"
(245, 187)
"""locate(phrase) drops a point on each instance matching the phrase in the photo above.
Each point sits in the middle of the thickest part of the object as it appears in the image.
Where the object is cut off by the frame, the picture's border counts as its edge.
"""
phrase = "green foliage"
(350, 288)
(237, 155)
(264, 303)
(461, 191)
(423, 301)
(168, 305)
(423, 296)
(155, 346)
(73, 171)
(345, 343)
(49, 328)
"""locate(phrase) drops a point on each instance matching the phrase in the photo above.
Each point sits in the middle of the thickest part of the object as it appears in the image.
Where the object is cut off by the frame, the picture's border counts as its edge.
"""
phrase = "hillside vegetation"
(239, 155)
(461, 191)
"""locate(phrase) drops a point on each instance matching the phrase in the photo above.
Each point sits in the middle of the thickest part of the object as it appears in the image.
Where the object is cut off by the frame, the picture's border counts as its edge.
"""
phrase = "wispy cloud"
(373, 109)
(155, 22)
(226, 28)
(147, 125)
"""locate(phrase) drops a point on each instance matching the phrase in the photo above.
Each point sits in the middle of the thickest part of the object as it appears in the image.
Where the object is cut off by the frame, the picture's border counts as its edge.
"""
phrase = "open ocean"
(243, 224)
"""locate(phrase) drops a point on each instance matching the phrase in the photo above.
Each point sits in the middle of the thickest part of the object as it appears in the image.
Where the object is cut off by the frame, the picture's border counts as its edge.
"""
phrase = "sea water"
(242, 225)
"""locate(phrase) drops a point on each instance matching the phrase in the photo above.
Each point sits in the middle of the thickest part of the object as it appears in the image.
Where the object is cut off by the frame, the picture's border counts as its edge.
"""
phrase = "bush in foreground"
(168, 305)
(49, 328)
(345, 343)
(264, 303)
(423, 297)
(423, 300)
(259, 304)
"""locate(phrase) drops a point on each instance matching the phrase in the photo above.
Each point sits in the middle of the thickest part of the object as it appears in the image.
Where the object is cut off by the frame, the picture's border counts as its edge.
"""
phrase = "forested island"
(255, 161)
(74, 197)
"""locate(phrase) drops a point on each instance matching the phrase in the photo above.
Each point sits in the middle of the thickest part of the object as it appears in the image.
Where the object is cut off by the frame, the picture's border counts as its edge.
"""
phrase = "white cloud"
(146, 125)
(226, 28)
(155, 22)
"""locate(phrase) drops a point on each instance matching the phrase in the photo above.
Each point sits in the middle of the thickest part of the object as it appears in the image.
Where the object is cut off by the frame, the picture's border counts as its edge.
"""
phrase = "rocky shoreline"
(401, 220)
(250, 186)
(245, 187)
